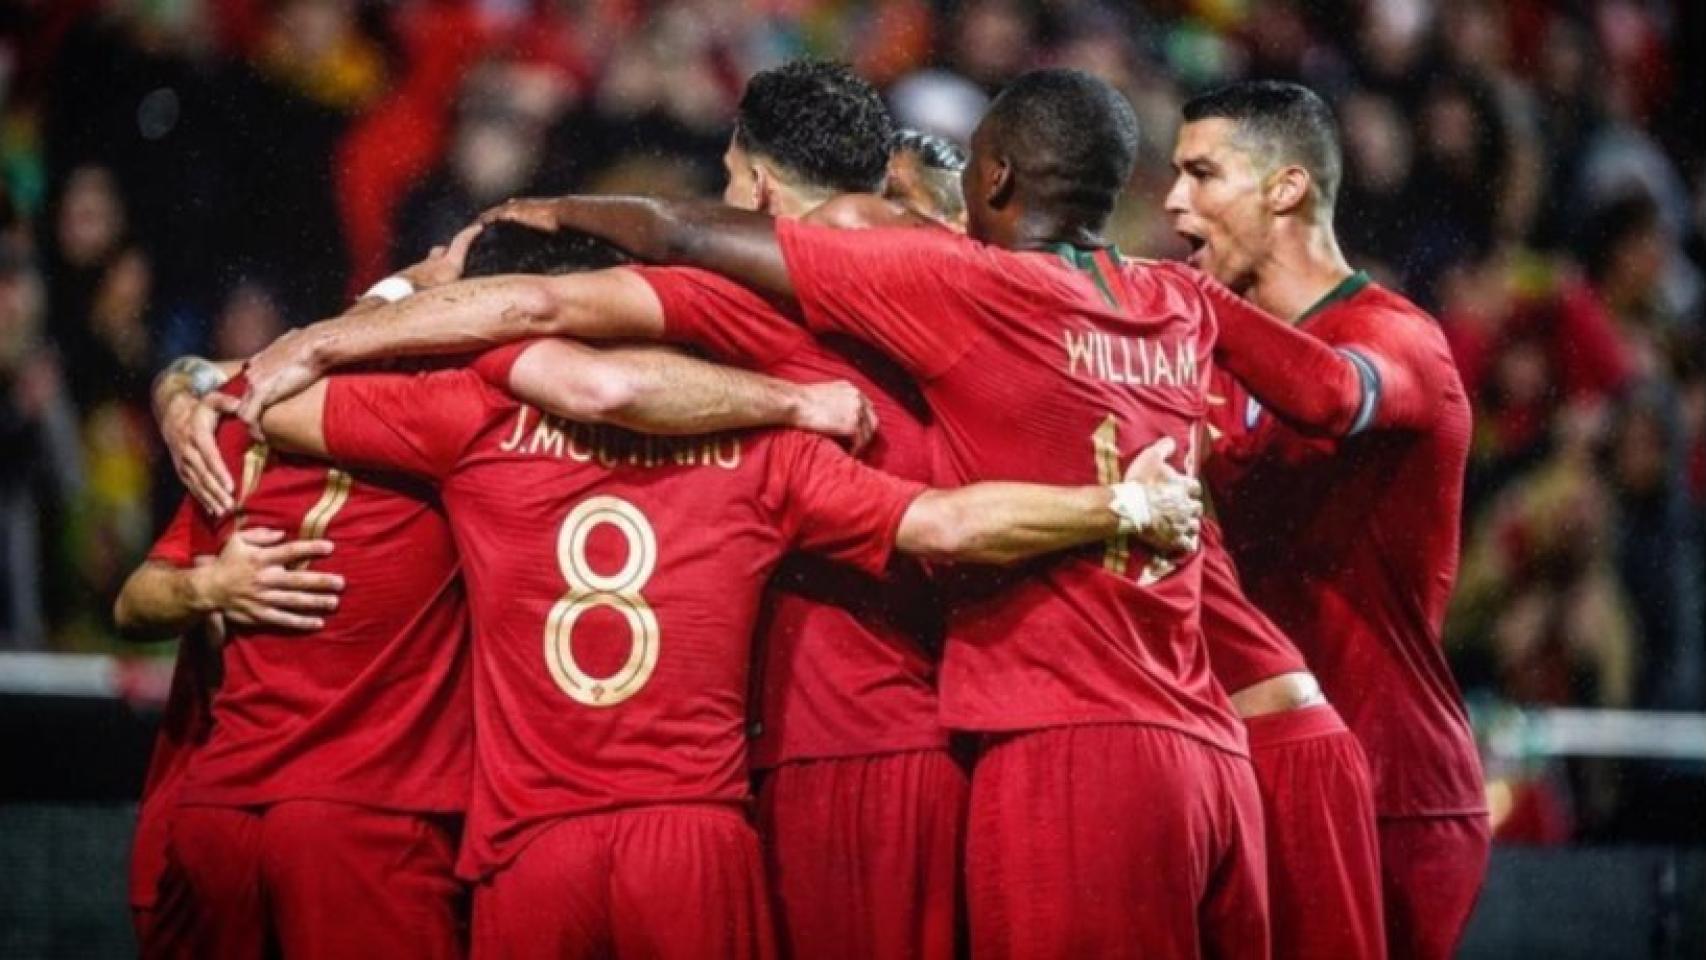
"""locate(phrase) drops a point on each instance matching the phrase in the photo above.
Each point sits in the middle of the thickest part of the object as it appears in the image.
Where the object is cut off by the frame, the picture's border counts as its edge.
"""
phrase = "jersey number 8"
(620, 591)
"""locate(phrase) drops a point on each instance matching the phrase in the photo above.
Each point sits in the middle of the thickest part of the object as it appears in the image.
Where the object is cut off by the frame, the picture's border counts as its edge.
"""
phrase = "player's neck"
(1305, 265)
(1041, 230)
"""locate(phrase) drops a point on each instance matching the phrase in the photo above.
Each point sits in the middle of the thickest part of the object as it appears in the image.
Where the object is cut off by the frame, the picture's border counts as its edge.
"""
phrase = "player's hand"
(187, 426)
(540, 213)
(252, 581)
(284, 369)
(444, 264)
(1170, 517)
(838, 409)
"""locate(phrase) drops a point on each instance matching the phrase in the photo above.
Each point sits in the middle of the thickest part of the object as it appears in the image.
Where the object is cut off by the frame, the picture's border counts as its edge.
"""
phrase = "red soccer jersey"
(846, 665)
(184, 726)
(615, 582)
(373, 708)
(1244, 646)
(1051, 367)
(1350, 544)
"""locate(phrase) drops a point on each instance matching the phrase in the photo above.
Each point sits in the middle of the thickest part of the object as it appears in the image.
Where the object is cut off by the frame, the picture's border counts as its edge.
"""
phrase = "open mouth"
(1197, 244)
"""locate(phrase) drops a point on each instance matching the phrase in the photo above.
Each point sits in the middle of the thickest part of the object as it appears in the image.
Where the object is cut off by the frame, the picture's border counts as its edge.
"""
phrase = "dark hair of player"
(1284, 122)
(1072, 141)
(506, 247)
(819, 121)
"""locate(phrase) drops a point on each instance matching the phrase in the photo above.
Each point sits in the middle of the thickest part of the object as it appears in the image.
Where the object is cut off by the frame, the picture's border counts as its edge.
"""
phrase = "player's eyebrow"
(1195, 165)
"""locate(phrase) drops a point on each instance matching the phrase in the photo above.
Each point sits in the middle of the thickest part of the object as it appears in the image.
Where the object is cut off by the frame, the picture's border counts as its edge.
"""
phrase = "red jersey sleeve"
(174, 545)
(495, 364)
(733, 323)
(414, 423)
(833, 505)
(1337, 389)
(909, 291)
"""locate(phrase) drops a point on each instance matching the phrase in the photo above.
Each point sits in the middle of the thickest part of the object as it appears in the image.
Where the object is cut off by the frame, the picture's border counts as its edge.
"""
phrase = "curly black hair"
(820, 121)
(505, 247)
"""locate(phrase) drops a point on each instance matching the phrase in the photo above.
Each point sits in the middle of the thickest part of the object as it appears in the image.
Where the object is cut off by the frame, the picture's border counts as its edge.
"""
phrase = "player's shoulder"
(1380, 311)
(1145, 274)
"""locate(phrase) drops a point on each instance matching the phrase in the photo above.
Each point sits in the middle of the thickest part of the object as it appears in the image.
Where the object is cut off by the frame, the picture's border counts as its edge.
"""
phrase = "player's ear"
(763, 188)
(999, 189)
(1289, 189)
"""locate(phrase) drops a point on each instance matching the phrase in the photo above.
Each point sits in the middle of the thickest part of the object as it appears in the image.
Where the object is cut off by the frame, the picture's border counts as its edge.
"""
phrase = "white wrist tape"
(1131, 504)
(391, 289)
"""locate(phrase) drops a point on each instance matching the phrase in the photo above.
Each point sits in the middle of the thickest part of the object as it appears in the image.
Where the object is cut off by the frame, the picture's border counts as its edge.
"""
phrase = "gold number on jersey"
(1105, 441)
(1116, 556)
(620, 591)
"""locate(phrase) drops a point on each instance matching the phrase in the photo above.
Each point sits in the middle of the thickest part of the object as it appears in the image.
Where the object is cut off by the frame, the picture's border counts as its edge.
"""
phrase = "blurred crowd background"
(199, 175)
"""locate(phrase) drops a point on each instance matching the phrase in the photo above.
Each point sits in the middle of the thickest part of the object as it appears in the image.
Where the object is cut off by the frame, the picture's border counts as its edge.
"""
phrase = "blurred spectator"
(495, 152)
(99, 288)
(1657, 549)
(251, 319)
(42, 466)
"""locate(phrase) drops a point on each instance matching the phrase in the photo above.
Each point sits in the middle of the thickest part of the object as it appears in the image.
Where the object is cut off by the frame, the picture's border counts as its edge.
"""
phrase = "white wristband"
(1131, 504)
(391, 289)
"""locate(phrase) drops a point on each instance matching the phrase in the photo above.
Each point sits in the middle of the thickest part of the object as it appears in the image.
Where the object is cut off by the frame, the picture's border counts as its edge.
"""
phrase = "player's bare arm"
(179, 391)
(648, 390)
(251, 581)
(739, 244)
(1003, 523)
(467, 316)
(659, 391)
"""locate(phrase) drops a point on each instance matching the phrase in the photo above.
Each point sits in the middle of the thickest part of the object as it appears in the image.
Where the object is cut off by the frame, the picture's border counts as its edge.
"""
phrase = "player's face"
(1217, 202)
(742, 188)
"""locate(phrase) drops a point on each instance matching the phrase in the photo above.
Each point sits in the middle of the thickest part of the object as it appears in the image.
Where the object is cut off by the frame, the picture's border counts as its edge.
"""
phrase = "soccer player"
(606, 814)
(170, 595)
(1324, 897)
(1339, 480)
(1043, 358)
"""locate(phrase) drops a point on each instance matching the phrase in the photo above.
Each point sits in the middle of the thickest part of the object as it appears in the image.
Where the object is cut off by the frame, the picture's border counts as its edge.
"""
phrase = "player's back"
(615, 581)
(848, 665)
(1351, 545)
(1056, 367)
(374, 707)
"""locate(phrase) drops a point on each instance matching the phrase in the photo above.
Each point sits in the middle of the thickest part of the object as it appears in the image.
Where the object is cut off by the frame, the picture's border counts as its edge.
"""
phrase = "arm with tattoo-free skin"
(251, 581)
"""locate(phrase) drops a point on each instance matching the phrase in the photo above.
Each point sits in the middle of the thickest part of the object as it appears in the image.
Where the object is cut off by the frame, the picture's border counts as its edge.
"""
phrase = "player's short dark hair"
(1288, 121)
(507, 247)
(820, 121)
(1071, 137)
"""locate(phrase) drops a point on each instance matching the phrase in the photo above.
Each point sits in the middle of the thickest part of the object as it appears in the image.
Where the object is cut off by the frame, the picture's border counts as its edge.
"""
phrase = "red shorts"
(1323, 851)
(864, 854)
(307, 878)
(1118, 840)
(1432, 868)
(662, 881)
(166, 927)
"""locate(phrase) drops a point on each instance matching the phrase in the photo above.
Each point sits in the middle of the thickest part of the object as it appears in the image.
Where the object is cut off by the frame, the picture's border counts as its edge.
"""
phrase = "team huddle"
(826, 572)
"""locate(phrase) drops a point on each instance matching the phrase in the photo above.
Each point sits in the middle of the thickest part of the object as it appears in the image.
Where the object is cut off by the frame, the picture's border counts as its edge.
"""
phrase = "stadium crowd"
(199, 176)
